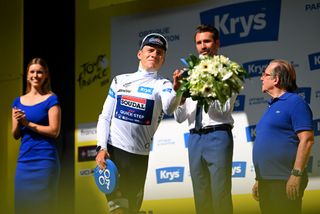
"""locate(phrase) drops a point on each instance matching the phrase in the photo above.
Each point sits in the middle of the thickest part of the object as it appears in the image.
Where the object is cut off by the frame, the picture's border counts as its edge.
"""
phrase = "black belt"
(207, 129)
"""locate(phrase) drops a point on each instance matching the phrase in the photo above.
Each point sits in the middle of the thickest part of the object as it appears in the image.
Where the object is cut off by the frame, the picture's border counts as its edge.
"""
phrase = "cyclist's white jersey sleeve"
(133, 110)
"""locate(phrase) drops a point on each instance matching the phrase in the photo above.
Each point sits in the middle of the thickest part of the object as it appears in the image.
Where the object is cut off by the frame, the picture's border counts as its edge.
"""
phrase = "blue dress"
(38, 165)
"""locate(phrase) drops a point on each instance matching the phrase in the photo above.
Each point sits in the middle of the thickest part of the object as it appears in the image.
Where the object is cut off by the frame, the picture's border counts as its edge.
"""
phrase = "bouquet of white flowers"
(212, 78)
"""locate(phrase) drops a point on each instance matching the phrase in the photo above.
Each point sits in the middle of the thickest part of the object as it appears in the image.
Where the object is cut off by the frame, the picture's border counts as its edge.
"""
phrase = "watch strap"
(296, 172)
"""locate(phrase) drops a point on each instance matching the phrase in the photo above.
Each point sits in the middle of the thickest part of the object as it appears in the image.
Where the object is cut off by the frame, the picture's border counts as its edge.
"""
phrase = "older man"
(284, 138)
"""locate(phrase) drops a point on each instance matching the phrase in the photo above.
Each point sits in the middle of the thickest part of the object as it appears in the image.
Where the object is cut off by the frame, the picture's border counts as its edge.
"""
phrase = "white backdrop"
(252, 33)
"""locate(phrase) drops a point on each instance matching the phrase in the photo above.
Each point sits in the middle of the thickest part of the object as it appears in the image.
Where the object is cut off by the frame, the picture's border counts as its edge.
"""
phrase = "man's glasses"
(264, 74)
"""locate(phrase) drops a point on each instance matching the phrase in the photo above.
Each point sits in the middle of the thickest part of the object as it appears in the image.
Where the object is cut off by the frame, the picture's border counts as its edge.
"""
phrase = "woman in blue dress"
(36, 119)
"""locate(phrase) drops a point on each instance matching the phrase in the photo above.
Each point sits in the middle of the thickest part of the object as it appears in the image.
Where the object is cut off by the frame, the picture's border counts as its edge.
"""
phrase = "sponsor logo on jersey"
(133, 102)
(134, 109)
(111, 93)
(145, 90)
(167, 90)
(123, 90)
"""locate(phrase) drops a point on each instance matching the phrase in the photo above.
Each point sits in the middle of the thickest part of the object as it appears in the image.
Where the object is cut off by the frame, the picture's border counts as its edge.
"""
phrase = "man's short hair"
(208, 28)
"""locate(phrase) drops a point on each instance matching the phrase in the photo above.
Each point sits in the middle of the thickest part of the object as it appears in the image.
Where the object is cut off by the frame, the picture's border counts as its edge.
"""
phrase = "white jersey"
(133, 110)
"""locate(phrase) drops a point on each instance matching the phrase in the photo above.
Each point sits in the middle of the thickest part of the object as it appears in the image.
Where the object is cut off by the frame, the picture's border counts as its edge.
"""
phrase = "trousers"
(133, 171)
(273, 197)
(210, 162)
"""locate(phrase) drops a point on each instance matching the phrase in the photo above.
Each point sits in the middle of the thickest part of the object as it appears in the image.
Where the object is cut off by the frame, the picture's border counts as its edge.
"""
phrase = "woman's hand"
(20, 116)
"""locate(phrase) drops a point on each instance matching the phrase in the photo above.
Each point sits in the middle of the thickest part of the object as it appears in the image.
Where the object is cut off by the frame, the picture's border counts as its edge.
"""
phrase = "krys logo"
(314, 61)
(251, 133)
(245, 22)
(239, 169)
(255, 68)
(170, 174)
(145, 90)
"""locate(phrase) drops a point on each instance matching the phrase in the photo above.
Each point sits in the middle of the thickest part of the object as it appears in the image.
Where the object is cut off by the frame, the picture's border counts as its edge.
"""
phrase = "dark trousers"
(273, 197)
(133, 170)
(210, 160)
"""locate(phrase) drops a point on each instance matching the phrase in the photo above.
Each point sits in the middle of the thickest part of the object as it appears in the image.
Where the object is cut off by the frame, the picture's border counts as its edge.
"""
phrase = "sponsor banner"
(251, 34)
(87, 132)
(251, 133)
(170, 174)
(255, 68)
(240, 102)
(312, 6)
(246, 22)
(239, 169)
(87, 153)
(314, 61)
(85, 172)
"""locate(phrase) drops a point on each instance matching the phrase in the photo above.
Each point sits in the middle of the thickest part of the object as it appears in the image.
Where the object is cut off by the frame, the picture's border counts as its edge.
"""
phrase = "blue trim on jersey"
(111, 93)
(167, 90)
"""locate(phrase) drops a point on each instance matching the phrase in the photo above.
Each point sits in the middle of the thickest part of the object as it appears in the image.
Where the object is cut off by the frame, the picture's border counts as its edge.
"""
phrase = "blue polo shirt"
(276, 142)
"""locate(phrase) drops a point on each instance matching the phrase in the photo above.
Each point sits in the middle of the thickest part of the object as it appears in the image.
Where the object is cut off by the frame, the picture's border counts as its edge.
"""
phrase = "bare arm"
(51, 130)
(306, 141)
(305, 145)
(255, 192)
(170, 100)
(16, 114)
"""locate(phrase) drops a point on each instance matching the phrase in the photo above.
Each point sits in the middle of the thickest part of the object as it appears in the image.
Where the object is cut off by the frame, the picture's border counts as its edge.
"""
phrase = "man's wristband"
(296, 172)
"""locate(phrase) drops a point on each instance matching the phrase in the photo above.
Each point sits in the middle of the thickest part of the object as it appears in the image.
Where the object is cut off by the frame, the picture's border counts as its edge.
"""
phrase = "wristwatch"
(296, 172)
(99, 148)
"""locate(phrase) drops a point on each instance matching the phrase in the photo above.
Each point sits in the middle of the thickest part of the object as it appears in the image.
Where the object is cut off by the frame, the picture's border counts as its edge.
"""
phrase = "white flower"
(227, 76)
(212, 78)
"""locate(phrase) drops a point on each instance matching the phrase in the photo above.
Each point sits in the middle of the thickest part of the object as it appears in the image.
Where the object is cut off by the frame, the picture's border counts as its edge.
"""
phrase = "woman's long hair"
(46, 86)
